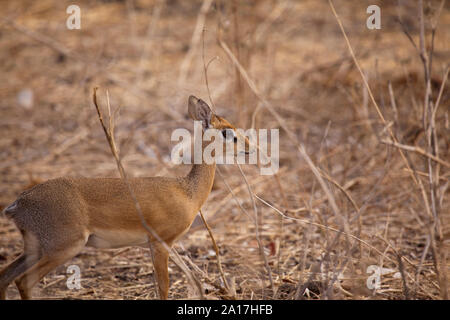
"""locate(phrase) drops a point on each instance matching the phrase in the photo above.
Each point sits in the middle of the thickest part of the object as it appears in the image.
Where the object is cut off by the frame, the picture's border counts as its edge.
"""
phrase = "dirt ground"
(150, 56)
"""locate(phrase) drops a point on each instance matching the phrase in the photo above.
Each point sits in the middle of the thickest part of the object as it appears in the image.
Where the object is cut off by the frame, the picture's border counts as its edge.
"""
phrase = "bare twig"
(199, 26)
(416, 150)
(216, 249)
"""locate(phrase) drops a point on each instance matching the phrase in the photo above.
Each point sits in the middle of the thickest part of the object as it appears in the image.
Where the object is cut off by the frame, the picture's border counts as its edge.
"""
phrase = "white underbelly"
(116, 238)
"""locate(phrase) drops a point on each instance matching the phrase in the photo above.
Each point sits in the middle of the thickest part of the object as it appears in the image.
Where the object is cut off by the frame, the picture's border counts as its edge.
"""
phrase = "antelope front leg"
(160, 261)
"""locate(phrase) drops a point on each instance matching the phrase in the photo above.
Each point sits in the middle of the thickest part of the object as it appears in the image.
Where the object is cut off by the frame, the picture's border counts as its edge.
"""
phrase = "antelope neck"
(200, 180)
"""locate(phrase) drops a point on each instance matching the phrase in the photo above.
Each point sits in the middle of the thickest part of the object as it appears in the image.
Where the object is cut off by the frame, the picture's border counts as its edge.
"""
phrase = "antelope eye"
(229, 134)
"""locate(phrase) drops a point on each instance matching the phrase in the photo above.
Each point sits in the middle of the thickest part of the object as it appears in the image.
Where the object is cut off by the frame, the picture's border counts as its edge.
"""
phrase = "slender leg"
(30, 256)
(161, 260)
(15, 269)
(46, 264)
(32, 276)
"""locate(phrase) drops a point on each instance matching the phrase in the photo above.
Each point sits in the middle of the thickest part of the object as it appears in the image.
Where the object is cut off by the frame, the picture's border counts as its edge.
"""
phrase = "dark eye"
(224, 133)
(229, 134)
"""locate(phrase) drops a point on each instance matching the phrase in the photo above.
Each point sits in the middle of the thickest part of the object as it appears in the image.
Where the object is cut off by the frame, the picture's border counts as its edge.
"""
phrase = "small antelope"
(59, 217)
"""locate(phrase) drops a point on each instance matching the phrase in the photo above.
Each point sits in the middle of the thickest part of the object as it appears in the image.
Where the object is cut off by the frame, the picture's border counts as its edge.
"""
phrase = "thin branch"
(416, 150)
(205, 70)
(216, 249)
(186, 63)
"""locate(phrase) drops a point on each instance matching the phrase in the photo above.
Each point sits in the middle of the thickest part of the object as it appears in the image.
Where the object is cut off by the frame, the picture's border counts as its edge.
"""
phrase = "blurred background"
(151, 55)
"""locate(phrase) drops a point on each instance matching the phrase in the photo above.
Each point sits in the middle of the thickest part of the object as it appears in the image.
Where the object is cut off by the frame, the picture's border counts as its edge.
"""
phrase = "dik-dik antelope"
(59, 217)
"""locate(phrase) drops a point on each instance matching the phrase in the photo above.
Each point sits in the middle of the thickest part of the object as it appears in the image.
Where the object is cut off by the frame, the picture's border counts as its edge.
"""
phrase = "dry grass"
(353, 202)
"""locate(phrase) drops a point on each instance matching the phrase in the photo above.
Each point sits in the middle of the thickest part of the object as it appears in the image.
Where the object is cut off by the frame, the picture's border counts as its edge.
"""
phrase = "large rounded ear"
(200, 111)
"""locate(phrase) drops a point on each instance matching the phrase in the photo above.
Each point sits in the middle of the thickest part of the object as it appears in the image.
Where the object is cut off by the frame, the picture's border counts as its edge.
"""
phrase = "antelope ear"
(200, 111)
